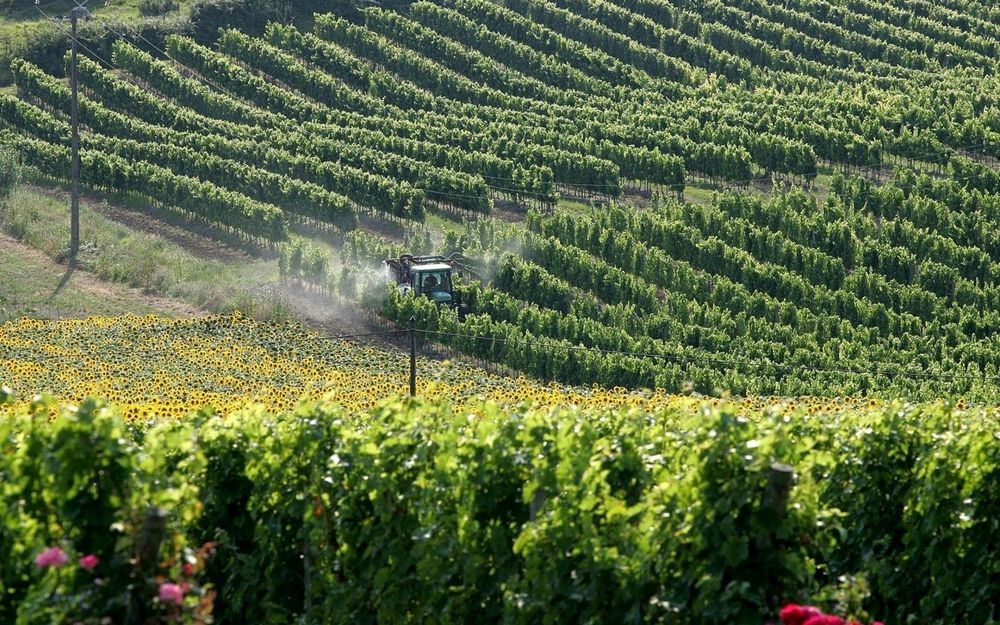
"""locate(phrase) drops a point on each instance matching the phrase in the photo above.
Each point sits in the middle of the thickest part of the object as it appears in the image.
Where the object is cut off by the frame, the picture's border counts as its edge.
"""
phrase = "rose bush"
(77, 545)
(793, 614)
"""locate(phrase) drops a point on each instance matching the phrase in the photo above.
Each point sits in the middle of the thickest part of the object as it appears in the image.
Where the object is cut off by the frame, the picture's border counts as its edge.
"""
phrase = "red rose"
(793, 614)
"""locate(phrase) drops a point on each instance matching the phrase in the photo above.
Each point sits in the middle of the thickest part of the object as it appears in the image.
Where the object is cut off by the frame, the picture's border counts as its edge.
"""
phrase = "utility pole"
(74, 207)
(413, 356)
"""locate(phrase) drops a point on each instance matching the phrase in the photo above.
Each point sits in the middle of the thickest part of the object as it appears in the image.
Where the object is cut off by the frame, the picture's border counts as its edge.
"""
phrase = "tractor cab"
(434, 281)
(429, 276)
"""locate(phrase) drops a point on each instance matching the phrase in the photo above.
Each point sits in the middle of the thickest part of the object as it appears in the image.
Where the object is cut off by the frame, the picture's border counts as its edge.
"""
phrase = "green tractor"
(431, 277)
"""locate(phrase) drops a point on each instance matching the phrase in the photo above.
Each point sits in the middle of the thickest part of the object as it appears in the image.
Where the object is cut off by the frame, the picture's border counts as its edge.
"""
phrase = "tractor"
(431, 277)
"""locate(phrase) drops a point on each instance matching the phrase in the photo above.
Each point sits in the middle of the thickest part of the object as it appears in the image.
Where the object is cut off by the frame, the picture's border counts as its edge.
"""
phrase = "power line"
(48, 4)
(121, 73)
(69, 34)
(339, 337)
(723, 361)
(138, 34)
(935, 156)
(677, 358)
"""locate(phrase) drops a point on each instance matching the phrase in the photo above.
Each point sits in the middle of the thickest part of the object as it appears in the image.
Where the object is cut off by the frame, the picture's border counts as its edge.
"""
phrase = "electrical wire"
(723, 361)
(69, 34)
(194, 74)
(734, 364)
(340, 337)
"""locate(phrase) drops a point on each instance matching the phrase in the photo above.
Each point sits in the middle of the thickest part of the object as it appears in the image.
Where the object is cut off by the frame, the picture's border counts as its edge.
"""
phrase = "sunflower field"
(154, 367)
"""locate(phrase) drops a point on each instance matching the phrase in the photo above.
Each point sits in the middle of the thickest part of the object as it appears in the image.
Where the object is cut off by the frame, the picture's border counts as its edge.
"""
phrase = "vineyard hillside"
(710, 334)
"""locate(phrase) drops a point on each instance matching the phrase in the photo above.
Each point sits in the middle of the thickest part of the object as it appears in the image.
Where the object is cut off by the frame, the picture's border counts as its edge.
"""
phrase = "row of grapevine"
(316, 85)
(845, 150)
(754, 356)
(708, 327)
(769, 246)
(113, 173)
(382, 153)
(470, 62)
(717, 259)
(571, 168)
(366, 189)
(766, 154)
(411, 512)
(590, 61)
(525, 59)
(598, 35)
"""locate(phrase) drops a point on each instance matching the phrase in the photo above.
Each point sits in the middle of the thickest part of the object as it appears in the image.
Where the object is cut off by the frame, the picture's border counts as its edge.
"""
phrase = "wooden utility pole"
(74, 207)
(413, 356)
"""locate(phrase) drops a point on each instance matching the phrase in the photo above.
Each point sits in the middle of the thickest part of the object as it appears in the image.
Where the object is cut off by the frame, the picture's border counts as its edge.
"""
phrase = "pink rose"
(171, 593)
(89, 562)
(53, 556)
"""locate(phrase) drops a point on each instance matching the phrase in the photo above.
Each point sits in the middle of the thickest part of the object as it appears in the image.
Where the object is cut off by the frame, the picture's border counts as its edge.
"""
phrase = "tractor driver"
(430, 282)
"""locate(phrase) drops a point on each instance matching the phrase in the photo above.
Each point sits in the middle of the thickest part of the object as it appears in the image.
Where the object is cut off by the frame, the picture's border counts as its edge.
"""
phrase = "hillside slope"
(35, 285)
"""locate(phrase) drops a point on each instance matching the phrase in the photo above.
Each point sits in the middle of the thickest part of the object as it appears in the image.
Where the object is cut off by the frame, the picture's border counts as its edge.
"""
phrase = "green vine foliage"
(414, 513)
(82, 483)
(10, 171)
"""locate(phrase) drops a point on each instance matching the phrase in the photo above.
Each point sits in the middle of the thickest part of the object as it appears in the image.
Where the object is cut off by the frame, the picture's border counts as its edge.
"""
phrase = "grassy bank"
(32, 284)
(139, 247)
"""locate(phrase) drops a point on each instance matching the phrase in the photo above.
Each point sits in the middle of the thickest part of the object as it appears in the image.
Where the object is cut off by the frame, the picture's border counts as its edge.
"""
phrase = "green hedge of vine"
(416, 514)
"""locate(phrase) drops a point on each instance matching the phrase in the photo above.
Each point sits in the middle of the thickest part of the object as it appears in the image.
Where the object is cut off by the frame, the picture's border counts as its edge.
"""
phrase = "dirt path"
(58, 294)
(30, 282)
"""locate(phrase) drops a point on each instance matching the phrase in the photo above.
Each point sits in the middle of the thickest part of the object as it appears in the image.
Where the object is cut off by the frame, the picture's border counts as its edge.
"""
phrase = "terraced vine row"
(716, 296)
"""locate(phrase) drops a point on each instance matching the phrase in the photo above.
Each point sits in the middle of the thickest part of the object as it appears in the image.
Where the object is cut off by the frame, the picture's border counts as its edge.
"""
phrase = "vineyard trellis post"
(779, 486)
